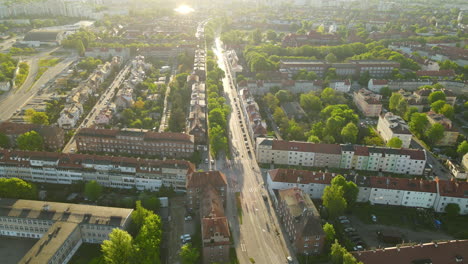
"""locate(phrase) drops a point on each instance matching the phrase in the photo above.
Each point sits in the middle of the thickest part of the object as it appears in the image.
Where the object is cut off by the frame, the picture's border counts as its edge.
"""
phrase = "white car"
(345, 221)
(358, 248)
(374, 218)
(188, 218)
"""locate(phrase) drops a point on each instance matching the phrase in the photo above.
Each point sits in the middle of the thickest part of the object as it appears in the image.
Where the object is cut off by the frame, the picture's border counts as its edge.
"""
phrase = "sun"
(184, 9)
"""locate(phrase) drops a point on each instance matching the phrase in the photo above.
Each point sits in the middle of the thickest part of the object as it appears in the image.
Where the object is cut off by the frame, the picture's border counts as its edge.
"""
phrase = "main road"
(258, 236)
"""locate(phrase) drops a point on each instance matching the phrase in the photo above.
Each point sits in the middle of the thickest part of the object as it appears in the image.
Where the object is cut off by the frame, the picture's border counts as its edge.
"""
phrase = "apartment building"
(60, 227)
(301, 221)
(368, 103)
(422, 95)
(257, 127)
(450, 132)
(401, 161)
(376, 189)
(198, 182)
(390, 126)
(54, 137)
(376, 68)
(109, 171)
(214, 227)
(135, 142)
(434, 252)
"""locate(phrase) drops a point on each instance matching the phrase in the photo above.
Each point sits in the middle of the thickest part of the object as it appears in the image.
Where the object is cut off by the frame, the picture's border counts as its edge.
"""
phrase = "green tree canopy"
(189, 254)
(139, 215)
(435, 133)
(333, 200)
(349, 133)
(30, 141)
(284, 96)
(17, 189)
(148, 240)
(462, 148)
(119, 248)
(350, 189)
(418, 124)
(436, 96)
(395, 143)
(437, 105)
(394, 100)
(92, 190)
(452, 210)
(448, 111)
(330, 233)
(34, 117)
(4, 141)
(310, 102)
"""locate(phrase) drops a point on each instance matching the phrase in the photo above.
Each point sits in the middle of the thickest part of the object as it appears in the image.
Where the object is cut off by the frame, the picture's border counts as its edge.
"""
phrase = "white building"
(451, 192)
(390, 126)
(341, 86)
(375, 85)
(70, 115)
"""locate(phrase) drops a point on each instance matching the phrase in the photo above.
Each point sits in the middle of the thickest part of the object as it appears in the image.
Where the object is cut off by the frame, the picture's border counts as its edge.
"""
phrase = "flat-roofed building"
(60, 227)
(390, 126)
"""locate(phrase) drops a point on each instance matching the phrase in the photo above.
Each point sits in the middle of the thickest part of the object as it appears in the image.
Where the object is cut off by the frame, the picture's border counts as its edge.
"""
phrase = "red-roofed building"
(375, 85)
(446, 252)
(198, 182)
(368, 102)
(440, 75)
(54, 137)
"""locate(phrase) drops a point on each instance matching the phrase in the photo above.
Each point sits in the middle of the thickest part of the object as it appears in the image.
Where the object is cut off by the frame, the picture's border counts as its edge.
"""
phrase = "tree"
(330, 233)
(271, 35)
(271, 101)
(350, 189)
(452, 210)
(448, 111)
(80, 48)
(402, 107)
(394, 100)
(418, 124)
(436, 96)
(148, 240)
(218, 140)
(92, 190)
(189, 254)
(337, 252)
(283, 96)
(395, 143)
(150, 201)
(119, 248)
(34, 117)
(385, 91)
(313, 139)
(437, 106)
(310, 102)
(17, 189)
(4, 141)
(216, 117)
(331, 58)
(139, 215)
(30, 141)
(328, 96)
(333, 200)
(435, 133)
(462, 148)
(256, 36)
(349, 133)
(409, 112)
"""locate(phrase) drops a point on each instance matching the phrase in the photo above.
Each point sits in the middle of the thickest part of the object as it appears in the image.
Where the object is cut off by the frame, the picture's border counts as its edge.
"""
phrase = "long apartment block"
(406, 192)
(109, 171)
(356, 157)
(135, 142)
(60, 228)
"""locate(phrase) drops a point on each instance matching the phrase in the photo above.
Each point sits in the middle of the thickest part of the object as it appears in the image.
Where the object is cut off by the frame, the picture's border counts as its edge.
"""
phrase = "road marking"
(243, 247)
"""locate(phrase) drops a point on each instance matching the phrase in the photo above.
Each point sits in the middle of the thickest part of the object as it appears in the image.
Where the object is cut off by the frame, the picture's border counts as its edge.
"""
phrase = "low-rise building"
(368, 102)
(341, 86)
(108, 171)
(451, 192)
(54, 137)
(70, 115)
(457, 170)
(198, 182)
(257, 127)
(61, 228)
(293, 110)
(301, 221)
(434, 252)
(450, 133)
(390, 126)
(375, 85)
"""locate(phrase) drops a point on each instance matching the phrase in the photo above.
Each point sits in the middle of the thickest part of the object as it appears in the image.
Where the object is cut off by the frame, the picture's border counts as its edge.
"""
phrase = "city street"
(15, 99)
(105, 98)
(259, 236)
(437, 168)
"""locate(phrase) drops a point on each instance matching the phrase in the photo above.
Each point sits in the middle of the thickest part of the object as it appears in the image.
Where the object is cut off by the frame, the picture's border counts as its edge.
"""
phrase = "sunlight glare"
(184, 9)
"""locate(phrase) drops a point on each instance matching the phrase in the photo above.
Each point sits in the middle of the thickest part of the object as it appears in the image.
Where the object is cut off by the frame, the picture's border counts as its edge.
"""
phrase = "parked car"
(349, 229)
(374, 218)
(343, 217)
(185, 237)
(188, 218)
(345, 221)
(358, 248)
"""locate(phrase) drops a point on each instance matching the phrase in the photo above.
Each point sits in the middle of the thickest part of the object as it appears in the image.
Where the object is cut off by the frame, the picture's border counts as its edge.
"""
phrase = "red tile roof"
(436, 253)
(300, 176)
(202, 179)
(219, 225)
(441, 73)
(306, 147)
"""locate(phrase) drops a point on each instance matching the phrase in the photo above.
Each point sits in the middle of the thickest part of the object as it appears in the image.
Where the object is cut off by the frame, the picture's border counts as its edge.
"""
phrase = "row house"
(54, 137)
(356, 157)
(261, 87)
(390, 126)
(422, 95)
(407, 85)
(301, 220)
(109, 171)
(312, 38)
(375, 68)
(439, 75)
(405, 192)
(450, 132)
(369, 103)
(198, 182)
(60, 228)
(124, 97)
(257, 127)
(135, 142)
(104, 53)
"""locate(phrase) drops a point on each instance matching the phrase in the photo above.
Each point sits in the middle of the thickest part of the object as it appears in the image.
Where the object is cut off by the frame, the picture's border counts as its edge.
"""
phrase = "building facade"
(136, 142)
(401, 161)
(368, 102)
(54, 137)
(198, 181)
(450, 132)
(390, 126)
(108, 171)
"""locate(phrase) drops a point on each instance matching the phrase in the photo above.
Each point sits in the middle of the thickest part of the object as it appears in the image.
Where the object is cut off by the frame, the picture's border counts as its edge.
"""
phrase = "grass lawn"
(88, 254)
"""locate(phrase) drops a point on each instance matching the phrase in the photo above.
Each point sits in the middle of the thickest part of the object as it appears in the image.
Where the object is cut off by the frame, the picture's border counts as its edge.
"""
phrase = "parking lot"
(177, 227)
(12, 249)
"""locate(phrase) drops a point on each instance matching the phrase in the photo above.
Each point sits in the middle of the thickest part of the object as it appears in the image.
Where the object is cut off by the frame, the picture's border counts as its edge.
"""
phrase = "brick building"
(135, 142)
(198, 181)
(54, 137)
(301, 220)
